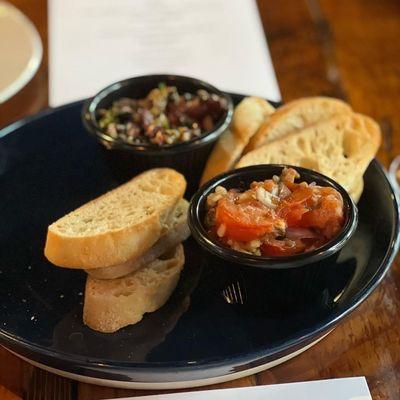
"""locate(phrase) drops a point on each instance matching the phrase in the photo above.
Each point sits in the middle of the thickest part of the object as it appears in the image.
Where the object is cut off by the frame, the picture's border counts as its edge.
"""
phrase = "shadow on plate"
(134, 342)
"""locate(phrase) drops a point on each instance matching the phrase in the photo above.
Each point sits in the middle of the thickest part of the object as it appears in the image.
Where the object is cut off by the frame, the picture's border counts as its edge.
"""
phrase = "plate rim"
(239, 359)
(177, 384)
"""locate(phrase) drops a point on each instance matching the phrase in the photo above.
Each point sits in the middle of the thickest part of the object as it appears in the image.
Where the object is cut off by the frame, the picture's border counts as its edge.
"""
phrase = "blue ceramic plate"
(220, 323)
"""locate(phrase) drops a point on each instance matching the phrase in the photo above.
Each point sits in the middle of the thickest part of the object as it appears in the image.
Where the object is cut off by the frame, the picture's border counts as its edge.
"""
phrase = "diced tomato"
(328, 216)
(241, 234)
(293, 215)
(243, 222)
(294, 206)
(326, 190)
(300, 195)
(302, 219)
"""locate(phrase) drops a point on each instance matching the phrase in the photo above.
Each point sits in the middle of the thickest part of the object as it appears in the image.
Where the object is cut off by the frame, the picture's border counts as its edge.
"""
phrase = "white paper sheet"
(93, 43)
(332, 389)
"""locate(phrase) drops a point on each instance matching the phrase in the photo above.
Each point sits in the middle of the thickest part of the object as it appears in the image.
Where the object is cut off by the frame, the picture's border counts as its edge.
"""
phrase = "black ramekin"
(127, 159)
(241, 179)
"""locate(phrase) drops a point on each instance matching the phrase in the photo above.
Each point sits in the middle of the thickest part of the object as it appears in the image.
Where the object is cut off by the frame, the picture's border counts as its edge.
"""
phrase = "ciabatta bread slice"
(341, 148)
(294, 116)
(112, 304)
(118, 226)
(177, 233)
(357, 189)
(248, 116)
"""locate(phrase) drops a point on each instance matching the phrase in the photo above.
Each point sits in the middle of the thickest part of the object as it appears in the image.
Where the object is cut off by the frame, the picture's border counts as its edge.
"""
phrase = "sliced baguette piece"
(294, 116)
(357, 189)
(341, 148)
(117, 226)
(225, 153)
(177, 233)
(112, 304)
(248, 116)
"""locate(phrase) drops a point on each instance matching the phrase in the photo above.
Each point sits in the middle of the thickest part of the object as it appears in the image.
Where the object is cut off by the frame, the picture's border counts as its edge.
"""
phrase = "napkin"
(93, 43)
(331, 389)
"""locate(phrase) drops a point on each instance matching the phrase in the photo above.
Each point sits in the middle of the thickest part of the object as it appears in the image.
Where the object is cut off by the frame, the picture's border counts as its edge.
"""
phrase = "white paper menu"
(93, 43)
(332, 389)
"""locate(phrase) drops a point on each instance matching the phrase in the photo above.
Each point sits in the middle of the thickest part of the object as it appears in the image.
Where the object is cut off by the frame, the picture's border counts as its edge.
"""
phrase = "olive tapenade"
(164, 117)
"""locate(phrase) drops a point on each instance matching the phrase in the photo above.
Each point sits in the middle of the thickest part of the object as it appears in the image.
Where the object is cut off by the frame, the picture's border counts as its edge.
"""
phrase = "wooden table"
(348, 49)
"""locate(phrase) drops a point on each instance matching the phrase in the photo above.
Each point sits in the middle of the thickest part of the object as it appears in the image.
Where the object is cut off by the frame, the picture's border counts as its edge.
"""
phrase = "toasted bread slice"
(225, 153)
(341, 148)
(294, 116)
(357, 189)
(118, 226)
(112, 304)
(177, 233)
(248, 116)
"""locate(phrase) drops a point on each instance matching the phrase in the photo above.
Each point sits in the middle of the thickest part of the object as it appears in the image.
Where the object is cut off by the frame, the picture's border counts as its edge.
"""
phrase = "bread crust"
(113, 304)
(116, 246)
(248, 116)
(226, 152)
(294, 116)
(356, 191)
(177, 233)
(341, 148)
(103, 249)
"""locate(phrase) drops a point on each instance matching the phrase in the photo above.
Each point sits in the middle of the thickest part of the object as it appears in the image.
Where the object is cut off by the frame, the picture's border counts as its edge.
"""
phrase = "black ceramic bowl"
(128, 159)
(241, 179)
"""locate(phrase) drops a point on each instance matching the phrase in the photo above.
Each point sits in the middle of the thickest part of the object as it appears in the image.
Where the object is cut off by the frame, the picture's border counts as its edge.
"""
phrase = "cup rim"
(91, 105)
(294, 261)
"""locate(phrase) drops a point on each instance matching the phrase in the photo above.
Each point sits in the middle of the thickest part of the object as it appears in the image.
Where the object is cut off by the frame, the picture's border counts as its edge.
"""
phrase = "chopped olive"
(164, 117)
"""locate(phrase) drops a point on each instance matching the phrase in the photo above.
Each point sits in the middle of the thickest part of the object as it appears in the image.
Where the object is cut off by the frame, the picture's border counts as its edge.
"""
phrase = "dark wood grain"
(347, 49)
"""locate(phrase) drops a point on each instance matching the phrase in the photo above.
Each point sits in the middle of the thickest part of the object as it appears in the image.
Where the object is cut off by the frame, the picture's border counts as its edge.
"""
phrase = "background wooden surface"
(348, 49)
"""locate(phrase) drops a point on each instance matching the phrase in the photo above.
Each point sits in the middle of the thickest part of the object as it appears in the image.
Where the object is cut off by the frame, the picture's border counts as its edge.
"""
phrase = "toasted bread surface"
(294, 116)
(357, 189)
(178, 232)
(112, 304)
(117, 226)
(225, 153)
(248, 116)
(340, 147)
